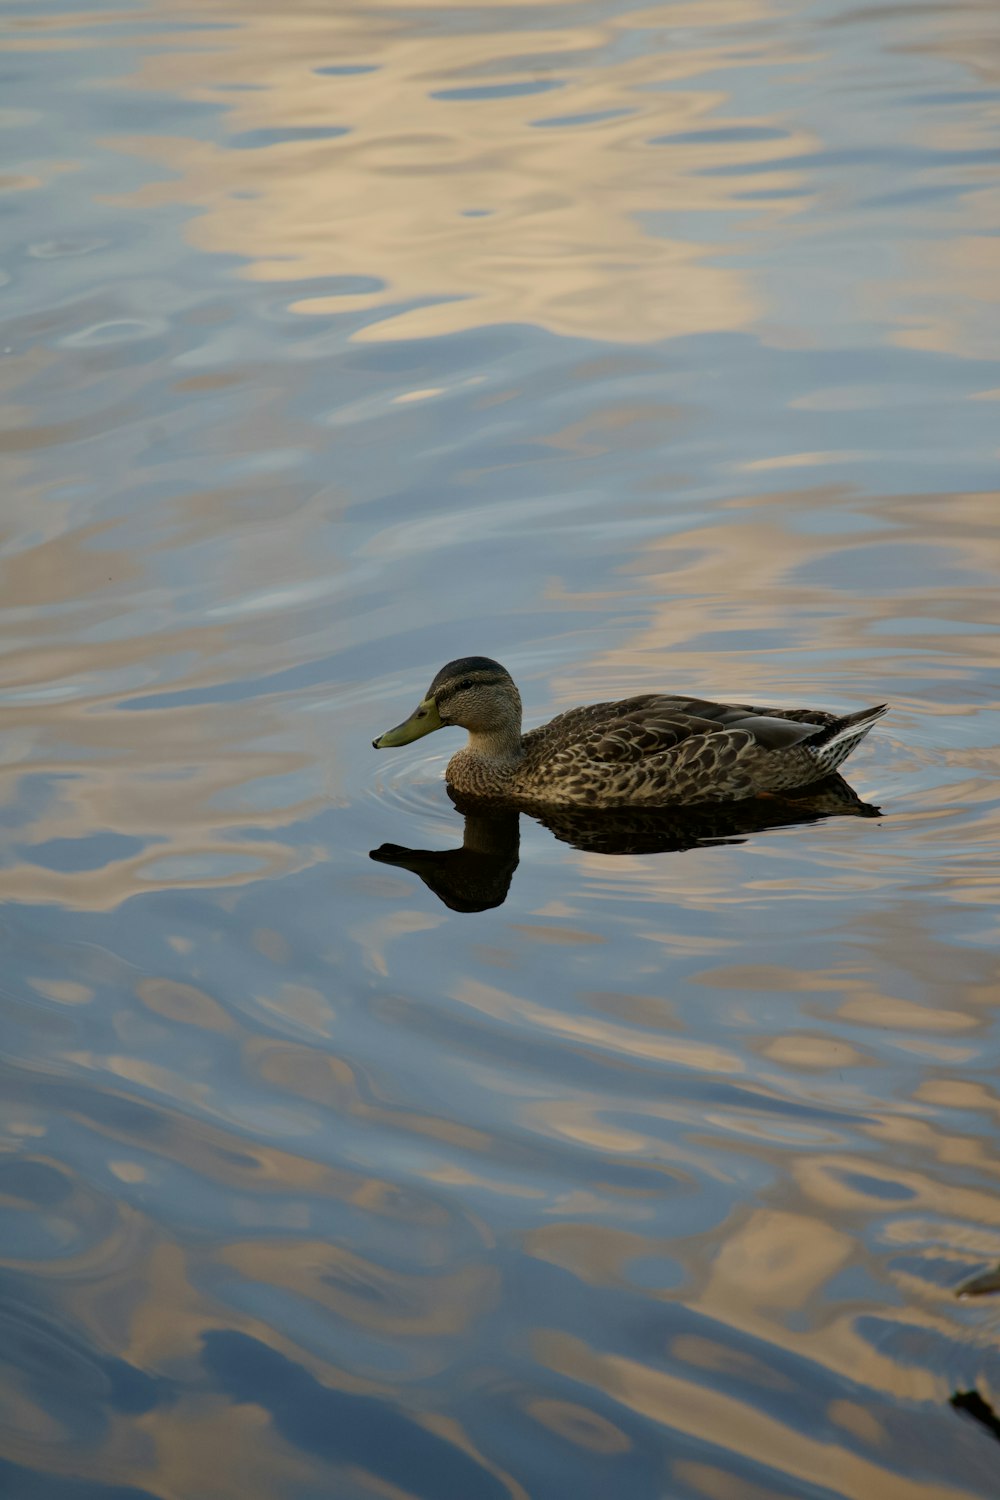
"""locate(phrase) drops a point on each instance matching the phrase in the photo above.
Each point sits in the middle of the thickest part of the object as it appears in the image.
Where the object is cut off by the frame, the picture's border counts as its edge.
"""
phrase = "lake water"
(639, 347)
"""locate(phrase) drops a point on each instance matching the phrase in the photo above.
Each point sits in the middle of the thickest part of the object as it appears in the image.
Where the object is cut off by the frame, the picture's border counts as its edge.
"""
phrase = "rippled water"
(640, 348)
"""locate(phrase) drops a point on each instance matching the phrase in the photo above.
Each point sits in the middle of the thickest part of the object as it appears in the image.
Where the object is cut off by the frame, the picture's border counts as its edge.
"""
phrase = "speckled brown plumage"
(645, 751)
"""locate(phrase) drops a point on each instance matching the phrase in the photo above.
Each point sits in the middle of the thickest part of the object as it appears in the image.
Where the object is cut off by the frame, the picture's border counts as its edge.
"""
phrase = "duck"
(654, 749)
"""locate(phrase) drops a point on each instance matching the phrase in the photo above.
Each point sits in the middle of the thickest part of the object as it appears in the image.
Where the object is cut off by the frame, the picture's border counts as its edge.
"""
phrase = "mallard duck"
(637, 752)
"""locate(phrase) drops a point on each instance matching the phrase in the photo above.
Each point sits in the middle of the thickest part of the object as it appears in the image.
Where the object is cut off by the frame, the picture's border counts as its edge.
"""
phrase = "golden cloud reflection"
(305, 1073)
(468, 177)
(812, 1053)
(743, 1429)
(945, 296)
(596, 1253)
(576, 1424)
(159, 778)
(716, 1483)
(355, 1288)
(183, 1003)
(774, 1261)
(594, 1031)
(777, 1260)
(774, 552)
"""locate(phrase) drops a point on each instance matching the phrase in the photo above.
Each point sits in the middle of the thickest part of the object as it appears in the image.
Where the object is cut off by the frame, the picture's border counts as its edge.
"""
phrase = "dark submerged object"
(983, 1284)
(477, 875)
(973, 1405)
(640, 752)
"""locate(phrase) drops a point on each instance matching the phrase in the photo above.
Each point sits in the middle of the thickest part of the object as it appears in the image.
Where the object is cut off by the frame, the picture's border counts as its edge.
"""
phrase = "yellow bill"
(423, 720)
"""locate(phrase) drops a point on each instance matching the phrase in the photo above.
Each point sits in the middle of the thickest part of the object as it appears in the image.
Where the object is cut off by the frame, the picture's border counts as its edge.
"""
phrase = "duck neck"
(491, 835)
(499, 746)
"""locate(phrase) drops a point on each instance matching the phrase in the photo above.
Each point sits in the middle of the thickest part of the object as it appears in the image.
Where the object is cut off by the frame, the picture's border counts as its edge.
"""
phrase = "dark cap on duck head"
(481, 667)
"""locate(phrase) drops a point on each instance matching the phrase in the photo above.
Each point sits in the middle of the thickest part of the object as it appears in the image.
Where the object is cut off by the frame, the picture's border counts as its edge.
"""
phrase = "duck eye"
(463, 685)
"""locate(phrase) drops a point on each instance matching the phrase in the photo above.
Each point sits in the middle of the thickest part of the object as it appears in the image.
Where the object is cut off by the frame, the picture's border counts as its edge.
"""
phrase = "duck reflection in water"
(477, 875)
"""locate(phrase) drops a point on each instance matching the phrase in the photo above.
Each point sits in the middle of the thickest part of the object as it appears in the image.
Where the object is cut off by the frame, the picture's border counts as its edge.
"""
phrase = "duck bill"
(424, 720)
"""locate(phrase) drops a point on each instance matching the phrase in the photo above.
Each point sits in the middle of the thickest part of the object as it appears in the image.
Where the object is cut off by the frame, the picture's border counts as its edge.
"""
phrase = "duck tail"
(834, 742)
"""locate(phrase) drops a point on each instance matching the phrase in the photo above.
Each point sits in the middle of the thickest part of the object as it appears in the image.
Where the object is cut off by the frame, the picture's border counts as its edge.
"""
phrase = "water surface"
(639, 348)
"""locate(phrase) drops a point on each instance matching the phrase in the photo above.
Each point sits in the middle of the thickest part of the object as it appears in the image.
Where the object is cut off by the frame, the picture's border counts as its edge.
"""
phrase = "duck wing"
(658, 747)
(632, 730)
